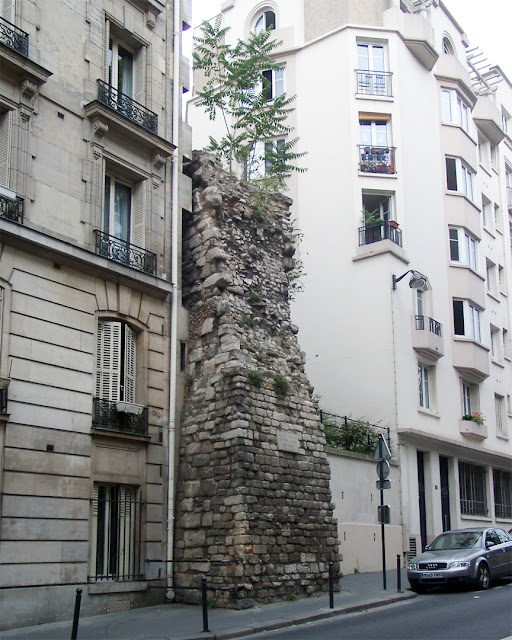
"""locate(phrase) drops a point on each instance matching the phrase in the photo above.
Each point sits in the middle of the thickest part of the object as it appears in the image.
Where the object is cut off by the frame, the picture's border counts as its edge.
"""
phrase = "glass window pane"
(122, 210)
(378, 58)
(381, 134)
(446, 106)
(363, 58)
(125, 72)
(454, 245)
(451, 174)
(106, 209)
(458, 317)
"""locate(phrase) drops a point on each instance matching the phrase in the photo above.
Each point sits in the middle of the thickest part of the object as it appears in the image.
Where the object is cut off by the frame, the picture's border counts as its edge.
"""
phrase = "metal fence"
(127, 107)
(374, 83)
(14, 38)
(380, 231)
(124, 252)
(11, 209)
(106, 415)
(348, 434)
(433, 325)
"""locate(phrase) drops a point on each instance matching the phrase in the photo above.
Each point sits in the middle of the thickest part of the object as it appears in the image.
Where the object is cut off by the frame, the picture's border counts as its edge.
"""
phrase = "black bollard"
(204, 601)
(76, 614)
(398, 574)
(331, 585)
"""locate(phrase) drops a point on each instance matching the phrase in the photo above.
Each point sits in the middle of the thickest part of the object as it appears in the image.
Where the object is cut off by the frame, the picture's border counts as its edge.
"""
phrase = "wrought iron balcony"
(127, 107)
(12, 209)
(376, 159)
(379, 231)
(3, 401)
(120, 417)
(14, 38)
(124, 252)
(374, 83)
(433, 325)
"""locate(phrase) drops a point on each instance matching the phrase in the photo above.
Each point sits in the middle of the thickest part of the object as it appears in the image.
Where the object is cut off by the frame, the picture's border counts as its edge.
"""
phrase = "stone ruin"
(253, 497)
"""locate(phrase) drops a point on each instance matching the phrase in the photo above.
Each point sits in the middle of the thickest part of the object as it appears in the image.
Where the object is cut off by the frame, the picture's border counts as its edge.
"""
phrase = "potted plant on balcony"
(475, 417)
(372, 218)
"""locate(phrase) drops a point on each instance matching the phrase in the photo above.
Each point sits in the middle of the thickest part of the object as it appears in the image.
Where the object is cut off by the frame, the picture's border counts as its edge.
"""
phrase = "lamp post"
(417, 281)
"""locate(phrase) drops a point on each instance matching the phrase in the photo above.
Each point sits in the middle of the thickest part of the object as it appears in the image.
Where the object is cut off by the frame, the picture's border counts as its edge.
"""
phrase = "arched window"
(265, 20)
(447, 47)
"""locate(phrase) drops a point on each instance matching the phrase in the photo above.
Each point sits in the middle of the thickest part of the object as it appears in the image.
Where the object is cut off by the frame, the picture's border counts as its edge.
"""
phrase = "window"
(472, 487)
(273, 84)
(447, 47)
(116, 552)
(425, 384)
(486, 204)
(454, 109)
(495, 343)
(265, 20)
(375, 136)
(499, 406)
(508, 183)
(498, 222)
(469, 403)
(372, 78)
(120, 68)
(262, 160)
(501, 279)
(123, 214)
(490, 274)
(505, 121)
(502, 481)
(466, 320)
(5, 155)
(509, 404)
(115, 362)
(459, 177)
(506, 344)
(463, 248)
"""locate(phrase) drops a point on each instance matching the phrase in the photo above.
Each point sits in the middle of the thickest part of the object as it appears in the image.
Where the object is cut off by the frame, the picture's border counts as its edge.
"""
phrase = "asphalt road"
(439, 615)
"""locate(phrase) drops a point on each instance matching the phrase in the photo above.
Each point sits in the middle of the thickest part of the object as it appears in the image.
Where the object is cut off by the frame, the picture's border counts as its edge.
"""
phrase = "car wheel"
(418, 588)
(483, 577)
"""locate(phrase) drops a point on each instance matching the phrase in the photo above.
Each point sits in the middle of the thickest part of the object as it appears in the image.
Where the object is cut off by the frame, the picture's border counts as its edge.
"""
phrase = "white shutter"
(129, 365)
(138, 202)
(108, 361)
(8, 10)
(4, 148)
(140, 76)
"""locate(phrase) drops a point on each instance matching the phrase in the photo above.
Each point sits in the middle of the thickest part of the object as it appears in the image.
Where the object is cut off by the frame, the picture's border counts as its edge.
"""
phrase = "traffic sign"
(382, 451)
(383, 469)
(383, 484)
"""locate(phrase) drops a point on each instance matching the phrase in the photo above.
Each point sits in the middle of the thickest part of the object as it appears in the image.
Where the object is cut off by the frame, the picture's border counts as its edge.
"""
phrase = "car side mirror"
(427, 548)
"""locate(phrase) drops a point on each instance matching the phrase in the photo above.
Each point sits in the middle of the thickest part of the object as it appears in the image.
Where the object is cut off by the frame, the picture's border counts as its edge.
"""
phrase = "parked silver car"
(475, 556)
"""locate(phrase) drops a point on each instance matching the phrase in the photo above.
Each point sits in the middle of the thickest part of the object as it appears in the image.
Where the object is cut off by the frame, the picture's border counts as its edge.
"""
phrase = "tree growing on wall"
(238, 90)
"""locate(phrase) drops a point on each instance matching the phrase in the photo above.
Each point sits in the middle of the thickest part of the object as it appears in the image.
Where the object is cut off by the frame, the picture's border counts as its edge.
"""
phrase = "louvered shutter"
(8, 10)
(125, 532)
(138, 202)
(140, 76)
(106, 47)
(4, 148)
(129, 365)
(108, 361)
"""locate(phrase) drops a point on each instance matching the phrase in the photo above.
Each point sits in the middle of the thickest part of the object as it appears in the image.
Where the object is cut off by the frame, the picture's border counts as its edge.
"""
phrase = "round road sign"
(383, 469)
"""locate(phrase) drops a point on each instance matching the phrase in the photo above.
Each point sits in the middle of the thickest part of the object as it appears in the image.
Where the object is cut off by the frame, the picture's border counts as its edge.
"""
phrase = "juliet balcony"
(11, 207)
(14, 38)
(376, 159)
(380, 231)
(427, 338)
(120, 417)
(374, 83)
(125, 253)
(127, 107)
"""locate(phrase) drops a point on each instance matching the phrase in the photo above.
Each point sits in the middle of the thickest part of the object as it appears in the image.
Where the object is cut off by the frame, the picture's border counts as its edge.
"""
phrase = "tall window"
(5, 130)
(463, 247)
(266, 20)
(499, 406)
(502, 481)
(115, 362)
(372, 78)
(377, 156)
(455, 109)
(117, 209)
(466, 320)
(424, 383)
(467, 399)
(117, 533)
(495, 343)
(508, 183)
(120, 68)
(472, 487)
(490, 273)
(459, 177)
(273, 84)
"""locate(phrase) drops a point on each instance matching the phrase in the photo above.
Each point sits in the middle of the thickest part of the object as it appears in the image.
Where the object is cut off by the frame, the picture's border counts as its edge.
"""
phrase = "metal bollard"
(398, 574)
(204, 601)
(76, 614)
(331, 585)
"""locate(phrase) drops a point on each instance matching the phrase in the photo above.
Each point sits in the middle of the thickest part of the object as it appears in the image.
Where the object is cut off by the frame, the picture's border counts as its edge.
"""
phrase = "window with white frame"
(509, 404)
(123, 212)
(376, 154)
(506, 344)
(426, 386)
(5, 144)
(470, 398)
(265, 20)
(486, 208)
(472, 489)
(372, 78)
(455, 110)
(508, 184)
(115, 362)
(499, 406)
(490, 273)
(116, 541)
(263, 158)
(459, 177)
(502, 481)
(502, 286)
(466, 319)
(495, 343)
(273, 84)
(463, 247)
(447, 46)
(505, 121)
(498, 221)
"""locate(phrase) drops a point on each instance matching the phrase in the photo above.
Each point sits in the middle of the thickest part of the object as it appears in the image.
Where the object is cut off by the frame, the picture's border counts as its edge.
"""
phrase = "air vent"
(412, 548)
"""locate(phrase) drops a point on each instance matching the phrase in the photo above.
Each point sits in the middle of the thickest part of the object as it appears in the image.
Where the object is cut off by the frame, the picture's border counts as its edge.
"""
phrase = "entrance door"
(421, 495)
(445, 493)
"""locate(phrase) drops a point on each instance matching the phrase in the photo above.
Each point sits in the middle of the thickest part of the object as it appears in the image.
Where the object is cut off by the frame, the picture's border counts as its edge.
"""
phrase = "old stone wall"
(253, 496)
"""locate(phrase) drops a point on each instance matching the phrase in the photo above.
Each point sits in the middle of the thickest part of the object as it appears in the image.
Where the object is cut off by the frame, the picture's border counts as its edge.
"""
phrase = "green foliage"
(291, 597)
(355, 435)
(372, 217)
(236, 89)
(281, 386)
(254, 296)
(247, 321)
(256, 378)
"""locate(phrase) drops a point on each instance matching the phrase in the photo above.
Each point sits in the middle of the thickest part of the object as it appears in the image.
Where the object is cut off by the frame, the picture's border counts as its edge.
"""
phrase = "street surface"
(440, 615)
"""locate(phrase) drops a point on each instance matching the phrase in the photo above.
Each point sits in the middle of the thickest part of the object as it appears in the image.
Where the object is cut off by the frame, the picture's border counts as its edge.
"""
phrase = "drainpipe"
(176, 110)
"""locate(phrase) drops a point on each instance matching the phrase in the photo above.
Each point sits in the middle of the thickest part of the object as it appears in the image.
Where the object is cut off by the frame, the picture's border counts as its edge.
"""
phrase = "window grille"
(473, 499)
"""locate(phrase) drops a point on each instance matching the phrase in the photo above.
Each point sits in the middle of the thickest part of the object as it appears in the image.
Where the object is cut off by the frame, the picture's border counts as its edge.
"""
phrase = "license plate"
(426, 576)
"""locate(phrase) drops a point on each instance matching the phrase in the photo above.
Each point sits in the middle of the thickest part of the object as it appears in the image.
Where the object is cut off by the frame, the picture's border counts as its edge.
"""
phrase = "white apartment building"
(395, 123)
(88, 142)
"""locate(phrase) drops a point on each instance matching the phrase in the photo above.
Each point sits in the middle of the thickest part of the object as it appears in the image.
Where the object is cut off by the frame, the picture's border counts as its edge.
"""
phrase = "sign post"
(383, 454)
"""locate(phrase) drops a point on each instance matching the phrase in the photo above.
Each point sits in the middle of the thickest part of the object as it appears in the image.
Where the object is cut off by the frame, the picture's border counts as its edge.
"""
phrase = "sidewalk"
(184, 622)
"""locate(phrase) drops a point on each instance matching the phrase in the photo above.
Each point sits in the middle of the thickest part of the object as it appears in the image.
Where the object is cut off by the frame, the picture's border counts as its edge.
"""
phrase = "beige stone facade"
(86, 143)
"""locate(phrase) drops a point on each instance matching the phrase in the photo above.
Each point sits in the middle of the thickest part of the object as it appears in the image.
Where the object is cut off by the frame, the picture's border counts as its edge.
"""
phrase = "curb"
(274, 626)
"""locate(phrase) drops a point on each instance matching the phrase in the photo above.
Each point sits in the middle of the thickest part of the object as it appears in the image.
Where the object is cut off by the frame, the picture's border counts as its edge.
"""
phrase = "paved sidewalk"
(184, 622)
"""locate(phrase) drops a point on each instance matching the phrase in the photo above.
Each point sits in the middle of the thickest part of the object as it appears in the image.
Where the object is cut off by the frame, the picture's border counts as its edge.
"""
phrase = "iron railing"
(14, 38)
(124, 252)
(3, 401)
(473, 501)
(107, 416)
(374, 83)
(509, 197)
(377, 232)
(118, 531)
(376, 159)
(127, 107)
(11, 209)
(502, 481)
(433, 325)
(347, 434)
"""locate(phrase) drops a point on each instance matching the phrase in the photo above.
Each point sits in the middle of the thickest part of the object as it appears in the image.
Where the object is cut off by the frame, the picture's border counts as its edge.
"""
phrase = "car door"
(494, 553)
(506, 546)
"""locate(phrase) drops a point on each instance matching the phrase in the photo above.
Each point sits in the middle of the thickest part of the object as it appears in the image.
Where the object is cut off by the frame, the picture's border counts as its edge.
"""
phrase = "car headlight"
(412, 566)
(459, 563)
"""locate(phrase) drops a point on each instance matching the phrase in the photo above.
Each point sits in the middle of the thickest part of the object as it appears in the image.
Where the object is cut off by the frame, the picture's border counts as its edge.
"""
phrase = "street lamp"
(417, 281)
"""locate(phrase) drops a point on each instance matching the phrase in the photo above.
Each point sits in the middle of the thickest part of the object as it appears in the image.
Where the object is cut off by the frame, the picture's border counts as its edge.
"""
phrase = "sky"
(487, 24)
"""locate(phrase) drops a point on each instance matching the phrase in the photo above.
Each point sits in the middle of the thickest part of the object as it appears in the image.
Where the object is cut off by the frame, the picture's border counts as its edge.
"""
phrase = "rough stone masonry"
(253, 497)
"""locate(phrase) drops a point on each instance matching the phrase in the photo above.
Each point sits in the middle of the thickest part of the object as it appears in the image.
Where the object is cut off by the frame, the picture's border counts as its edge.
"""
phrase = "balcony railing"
(374, 83)
(377, 159)
(433, 325)
(124, 252)
(352, 435)
(14, 38)
(127, 107)
(118, 416)
(509, 197)
(473, 507)
(376, 233)
(11, 209)
(3, 401)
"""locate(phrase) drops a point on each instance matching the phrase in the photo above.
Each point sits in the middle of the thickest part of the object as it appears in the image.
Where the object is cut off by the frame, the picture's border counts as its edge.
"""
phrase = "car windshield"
(457, 540)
